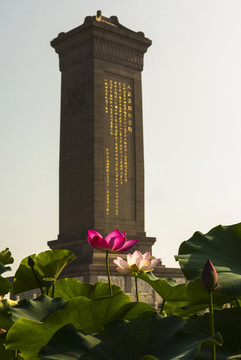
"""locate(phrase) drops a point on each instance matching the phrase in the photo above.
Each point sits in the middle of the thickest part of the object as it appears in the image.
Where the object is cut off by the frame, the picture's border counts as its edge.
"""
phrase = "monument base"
(90, 263)
(90, 267)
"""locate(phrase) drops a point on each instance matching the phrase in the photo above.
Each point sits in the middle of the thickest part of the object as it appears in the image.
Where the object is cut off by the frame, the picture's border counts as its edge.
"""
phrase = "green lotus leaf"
(148, 334)
(69, 288)
(5, 286)
(228, 323)
(222, 245)
(171, 307)
(5, 323)
(5, 317)
(8, 354)
(4, 268)
(47, 264)
(198, 301)
(5, 354)
(37, 309)
(85, 314)
(185, 311)
(6, 257)
(168, 289)
(197, 295)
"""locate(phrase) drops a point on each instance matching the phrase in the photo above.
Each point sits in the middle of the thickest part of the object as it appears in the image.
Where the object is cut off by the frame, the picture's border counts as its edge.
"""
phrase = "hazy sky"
(191, 112)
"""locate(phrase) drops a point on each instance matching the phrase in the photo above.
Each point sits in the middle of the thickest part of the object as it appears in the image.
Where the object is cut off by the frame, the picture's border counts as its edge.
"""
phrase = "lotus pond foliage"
(197, 319)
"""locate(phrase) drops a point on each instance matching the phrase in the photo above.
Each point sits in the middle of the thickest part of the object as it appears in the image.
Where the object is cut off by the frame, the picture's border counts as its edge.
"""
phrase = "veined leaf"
(148, 334)
(69, 288)
(85, 314)
(228, 323)
(168, 289)
(37, 309)
(6, 257)
(222, 245)
(47, 264)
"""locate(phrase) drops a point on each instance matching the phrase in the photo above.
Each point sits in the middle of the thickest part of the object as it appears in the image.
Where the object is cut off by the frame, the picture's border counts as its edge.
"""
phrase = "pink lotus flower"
(209, 277)
(114, 241)
(136, 262)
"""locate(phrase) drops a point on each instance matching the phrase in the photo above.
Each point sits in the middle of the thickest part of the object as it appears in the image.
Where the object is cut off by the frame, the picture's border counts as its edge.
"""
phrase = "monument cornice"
(104, 39)
(102, 49)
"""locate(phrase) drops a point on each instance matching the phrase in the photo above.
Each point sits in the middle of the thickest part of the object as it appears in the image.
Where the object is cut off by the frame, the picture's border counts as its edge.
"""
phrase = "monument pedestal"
(89, 262)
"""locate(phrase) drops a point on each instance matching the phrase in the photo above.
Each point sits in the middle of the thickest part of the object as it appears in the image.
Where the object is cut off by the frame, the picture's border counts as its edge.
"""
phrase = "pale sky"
(191, 114)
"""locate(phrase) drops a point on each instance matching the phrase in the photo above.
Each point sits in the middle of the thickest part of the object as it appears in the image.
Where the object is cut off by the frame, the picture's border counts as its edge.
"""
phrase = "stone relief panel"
(117, 280)
(180, 280)
(31, 294)
(142, 286)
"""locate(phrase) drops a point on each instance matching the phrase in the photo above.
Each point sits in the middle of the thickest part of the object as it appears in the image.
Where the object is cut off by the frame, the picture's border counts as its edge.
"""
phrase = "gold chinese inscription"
(119, 115)
(107, 169)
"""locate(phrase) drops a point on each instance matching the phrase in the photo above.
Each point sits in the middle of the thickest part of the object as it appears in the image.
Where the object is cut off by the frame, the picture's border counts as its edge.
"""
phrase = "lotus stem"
(137, 293)
(37, 279)
(211, 323)
(108, 271)
(53, 290)
(162, 306)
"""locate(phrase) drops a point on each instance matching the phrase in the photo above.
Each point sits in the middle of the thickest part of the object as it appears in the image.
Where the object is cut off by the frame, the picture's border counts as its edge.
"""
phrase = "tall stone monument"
(101, 171)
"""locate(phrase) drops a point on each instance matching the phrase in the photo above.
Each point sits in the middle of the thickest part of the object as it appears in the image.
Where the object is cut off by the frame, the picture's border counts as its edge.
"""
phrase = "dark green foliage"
(222, 245)
(148, 334)
(47, 264)
(74, 320)
(69, 288)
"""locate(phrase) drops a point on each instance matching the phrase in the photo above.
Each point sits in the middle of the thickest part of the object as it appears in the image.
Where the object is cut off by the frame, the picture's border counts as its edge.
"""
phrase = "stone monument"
(101, 169)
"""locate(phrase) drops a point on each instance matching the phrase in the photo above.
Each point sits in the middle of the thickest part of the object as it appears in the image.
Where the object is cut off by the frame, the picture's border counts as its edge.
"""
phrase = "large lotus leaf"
(198, 301)
(6, 257)
(5, 317)
(171, 307)
(7, 354)
(228, 323)
(222, 245)
(85, 314)
(4, 268)
(37, 309)
(184, 311)
(148, 334)
(5, 286)
(197, 295)
(47, 264)
(69, 288)
(168, 289)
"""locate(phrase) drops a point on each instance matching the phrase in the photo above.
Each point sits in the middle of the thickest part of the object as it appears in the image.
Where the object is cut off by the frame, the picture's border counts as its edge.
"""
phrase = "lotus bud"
(30, 262)
(209, 277)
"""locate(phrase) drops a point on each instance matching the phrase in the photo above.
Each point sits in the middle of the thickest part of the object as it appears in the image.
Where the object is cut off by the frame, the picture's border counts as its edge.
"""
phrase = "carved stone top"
(104, 38)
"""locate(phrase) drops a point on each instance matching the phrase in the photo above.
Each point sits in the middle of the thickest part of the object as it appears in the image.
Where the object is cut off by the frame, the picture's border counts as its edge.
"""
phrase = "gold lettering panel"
(119, 146)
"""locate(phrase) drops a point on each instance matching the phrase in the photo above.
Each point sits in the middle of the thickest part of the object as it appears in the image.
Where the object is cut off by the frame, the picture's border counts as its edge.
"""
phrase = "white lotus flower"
(136, 262)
